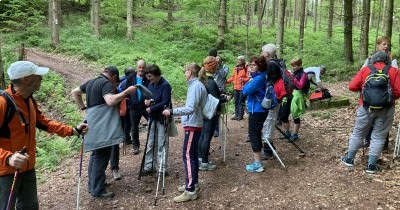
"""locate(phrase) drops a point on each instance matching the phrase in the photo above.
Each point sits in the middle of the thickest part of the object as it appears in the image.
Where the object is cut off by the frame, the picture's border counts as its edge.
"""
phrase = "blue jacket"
(255, 92)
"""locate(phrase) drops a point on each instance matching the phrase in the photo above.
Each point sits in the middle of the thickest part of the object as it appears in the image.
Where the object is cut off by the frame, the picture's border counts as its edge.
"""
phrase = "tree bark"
(50, 15)
(55, 27)
(96, 17)
(129, 19)
(259, 16)
(348, 32)
(281, 27)
(274, 12)
(170, 10)
(315, 15)
(389, 18)
(59, 13)
(247, 26)
(221, 25)
(2, 81)
(267, 13)
(366, 7)
(330, 18)
(302, 21)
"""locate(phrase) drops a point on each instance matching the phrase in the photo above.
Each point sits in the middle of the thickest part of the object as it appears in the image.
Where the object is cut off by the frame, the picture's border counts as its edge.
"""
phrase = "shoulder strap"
(10, 111)
(385, 69)
(372, 68)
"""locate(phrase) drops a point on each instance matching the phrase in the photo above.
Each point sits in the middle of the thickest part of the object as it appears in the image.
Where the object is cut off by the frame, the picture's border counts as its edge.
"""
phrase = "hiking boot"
(234, 118)
(147, 172)
(255, 167)
(116, 175)
(287, 134)
(186, 196)
(105, 194)
(207, 167)
(372, 169)
(294, 137)
(347, 161)
(182, 188)
(267, 155)
(135, 150)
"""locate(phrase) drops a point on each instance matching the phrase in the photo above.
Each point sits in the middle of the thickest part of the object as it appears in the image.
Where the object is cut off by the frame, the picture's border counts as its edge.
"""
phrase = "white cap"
(22, 69)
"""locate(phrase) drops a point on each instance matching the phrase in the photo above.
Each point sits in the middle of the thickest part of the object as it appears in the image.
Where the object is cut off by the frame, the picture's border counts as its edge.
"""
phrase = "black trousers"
(240, 101)
(206, 136)
(97, 170)
(135, 116)
(256, 122)
(114, 159)
(24, 194)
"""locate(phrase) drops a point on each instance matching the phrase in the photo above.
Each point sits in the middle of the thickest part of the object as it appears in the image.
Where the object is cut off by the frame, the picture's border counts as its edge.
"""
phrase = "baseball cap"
(22, 69)
(113, 69)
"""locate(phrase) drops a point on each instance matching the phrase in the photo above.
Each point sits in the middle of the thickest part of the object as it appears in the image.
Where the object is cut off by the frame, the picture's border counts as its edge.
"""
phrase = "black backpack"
(377, 92)
(286, 76)
(11, 109)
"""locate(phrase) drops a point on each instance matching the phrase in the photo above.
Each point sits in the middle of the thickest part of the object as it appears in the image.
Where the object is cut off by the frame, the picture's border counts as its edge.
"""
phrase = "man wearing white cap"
(19, 118)
(314, 75)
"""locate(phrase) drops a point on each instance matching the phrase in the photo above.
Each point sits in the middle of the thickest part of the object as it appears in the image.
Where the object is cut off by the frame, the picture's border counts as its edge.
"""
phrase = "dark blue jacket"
(162, 98)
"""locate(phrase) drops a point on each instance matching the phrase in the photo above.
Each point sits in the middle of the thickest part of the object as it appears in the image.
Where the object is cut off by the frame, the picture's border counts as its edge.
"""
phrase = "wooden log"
(335, 101)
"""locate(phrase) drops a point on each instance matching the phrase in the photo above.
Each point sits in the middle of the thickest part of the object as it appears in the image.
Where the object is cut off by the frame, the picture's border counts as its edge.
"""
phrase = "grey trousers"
(25, 191)
(155, 146)
(269, 124)
(381, 121)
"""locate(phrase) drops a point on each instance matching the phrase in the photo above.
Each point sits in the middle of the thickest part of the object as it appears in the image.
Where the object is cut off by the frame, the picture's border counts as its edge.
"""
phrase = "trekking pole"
(165, 148)
(144, 153)
(161, 168)
(80, 174)
(22, 151)
(289, 139)
(275, 153)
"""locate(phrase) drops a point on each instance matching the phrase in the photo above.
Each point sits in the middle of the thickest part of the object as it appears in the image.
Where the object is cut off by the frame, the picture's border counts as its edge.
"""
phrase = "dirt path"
(316, 181)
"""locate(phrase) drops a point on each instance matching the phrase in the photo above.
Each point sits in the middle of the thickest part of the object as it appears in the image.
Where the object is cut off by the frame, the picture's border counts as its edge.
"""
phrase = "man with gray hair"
(269, 51)
(368, 81)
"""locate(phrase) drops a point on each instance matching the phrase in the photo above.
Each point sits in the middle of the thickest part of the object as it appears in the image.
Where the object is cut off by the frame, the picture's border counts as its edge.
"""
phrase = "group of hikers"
(114, 107)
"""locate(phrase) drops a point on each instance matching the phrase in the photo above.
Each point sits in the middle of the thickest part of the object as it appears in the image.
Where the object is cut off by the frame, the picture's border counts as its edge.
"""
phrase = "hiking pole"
(22, 151)
(144, 153)
(275, 153)
(289, 139)
(161, 169)
(80, 174)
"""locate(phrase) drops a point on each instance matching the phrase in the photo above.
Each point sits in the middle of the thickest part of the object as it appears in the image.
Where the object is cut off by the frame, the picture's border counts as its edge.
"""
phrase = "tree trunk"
(55, 27)
(348, 32)
(129, 19)
(2, 81)
(295, 8)
(274, 12)
(302, 21)
(233, 12)
(259, 16)
(320, 14)
(281, 27)
(170, 10)
(378, 21)
(366, 7)
(267, 12)
(59, 13)
(221, 25)
(50, 15)
(330, 18)
(389, 18)
(247, 26)
(96, 17)
(315, 15)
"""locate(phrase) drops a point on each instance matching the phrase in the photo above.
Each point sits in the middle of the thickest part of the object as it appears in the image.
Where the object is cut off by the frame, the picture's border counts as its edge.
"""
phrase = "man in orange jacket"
(20, 132)
(380, 118)
(239, 78)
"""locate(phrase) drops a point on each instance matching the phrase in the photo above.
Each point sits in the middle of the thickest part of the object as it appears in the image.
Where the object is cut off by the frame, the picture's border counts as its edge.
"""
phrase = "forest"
(80, 37)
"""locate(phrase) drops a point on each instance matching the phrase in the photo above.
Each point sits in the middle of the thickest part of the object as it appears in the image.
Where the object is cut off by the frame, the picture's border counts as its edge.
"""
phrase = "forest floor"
(315, 181)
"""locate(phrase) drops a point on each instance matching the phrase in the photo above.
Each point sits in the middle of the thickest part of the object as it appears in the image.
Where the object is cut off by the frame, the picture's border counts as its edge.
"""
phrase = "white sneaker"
(116, 175)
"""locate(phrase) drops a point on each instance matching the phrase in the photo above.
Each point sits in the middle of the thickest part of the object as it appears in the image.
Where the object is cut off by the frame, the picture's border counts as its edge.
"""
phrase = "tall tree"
(2, 81)
(348, 32)
(247, 26)
(95, 17)
(55, 27)
(129, 19)
(281, 27)
(259, 15)
(388, 18)
(330, 17)
(221, 25)
(302, 21)
(364, 34)
(274, 12)
(267, 12)
(315, 15)
(170, 5)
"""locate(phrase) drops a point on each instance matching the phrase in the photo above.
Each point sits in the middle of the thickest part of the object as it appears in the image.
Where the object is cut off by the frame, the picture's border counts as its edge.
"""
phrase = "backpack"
(376, 91)
(11, 109)
(286, 75)
(320, 94)
(270, 100)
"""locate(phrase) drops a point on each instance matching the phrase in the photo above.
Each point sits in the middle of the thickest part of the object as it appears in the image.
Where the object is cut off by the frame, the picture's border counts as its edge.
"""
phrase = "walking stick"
(161, 169)
(144, 153)
(275, 153)
(289, 139)
(22, 151)
(80, 174)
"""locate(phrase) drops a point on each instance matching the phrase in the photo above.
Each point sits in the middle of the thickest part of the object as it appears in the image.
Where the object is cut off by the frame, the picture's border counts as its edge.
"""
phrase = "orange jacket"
(239, 78)
(19, 136)
(357, 83)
